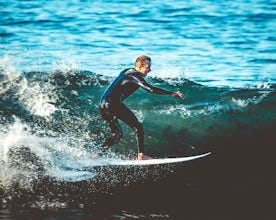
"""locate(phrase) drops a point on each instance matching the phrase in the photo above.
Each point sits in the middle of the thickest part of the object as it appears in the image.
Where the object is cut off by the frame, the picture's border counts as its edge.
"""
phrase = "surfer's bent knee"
(138, 128)
(114, 139)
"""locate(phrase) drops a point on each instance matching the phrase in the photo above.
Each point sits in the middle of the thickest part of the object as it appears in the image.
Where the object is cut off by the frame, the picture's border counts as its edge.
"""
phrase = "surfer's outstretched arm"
(150, 88)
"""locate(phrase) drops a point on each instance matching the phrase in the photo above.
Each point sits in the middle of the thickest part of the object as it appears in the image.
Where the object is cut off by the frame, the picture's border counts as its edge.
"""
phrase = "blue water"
(227, 43)
(57, 58)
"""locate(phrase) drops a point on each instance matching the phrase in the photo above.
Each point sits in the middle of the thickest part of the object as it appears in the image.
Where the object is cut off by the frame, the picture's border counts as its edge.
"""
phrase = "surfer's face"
(144, 69)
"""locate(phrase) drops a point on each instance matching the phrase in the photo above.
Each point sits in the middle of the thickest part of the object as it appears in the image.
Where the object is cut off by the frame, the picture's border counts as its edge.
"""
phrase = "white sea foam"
(65, 65)
(57, 156)
(242, 103)
(37, 98)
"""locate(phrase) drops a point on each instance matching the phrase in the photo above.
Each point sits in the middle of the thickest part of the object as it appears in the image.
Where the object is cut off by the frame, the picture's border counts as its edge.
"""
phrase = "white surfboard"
(103, 162)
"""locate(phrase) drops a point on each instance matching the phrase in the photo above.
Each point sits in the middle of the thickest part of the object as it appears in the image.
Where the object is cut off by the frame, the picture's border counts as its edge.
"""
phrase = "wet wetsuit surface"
(112, 107)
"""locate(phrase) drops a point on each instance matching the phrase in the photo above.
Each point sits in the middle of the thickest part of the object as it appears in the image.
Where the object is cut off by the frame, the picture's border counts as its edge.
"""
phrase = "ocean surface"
(58, 57)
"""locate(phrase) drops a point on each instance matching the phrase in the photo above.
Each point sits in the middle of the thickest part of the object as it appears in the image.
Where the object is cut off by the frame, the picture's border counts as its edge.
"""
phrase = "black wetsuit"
(112, 107)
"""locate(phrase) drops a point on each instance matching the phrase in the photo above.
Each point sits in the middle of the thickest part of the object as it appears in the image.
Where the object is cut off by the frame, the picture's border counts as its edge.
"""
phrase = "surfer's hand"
(178, 95)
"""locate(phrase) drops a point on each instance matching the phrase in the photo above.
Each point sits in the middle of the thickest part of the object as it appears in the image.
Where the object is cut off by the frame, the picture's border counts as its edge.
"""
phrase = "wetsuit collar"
(141, 74)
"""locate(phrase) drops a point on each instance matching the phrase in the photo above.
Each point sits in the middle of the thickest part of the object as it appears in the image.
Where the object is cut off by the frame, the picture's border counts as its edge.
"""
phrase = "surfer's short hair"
(142, 60)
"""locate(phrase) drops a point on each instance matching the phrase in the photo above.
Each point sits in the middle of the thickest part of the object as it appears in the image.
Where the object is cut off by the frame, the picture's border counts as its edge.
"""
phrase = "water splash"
(38, 98)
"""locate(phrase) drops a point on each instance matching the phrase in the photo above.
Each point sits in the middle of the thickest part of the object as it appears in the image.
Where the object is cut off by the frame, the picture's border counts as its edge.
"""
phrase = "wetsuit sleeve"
(148, 87)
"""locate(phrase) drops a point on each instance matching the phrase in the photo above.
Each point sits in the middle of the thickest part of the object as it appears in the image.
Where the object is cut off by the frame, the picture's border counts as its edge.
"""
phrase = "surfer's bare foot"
(142, 156)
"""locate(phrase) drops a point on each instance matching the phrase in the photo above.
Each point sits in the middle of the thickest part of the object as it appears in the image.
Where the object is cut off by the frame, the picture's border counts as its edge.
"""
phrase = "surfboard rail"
(160, 161)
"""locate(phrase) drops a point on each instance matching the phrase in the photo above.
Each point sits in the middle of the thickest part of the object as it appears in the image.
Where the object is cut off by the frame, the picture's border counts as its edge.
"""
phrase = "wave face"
(50, 123)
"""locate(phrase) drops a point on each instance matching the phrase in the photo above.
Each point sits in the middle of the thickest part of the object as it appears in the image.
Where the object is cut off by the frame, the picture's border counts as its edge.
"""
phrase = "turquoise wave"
(50, 121)
(59, 104)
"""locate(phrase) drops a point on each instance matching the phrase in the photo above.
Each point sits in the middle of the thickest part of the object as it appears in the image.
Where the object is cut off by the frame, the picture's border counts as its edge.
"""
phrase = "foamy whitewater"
(58, 57)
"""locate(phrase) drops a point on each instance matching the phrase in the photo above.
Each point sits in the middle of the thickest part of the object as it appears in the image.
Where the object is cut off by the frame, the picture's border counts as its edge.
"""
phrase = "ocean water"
(58, 57)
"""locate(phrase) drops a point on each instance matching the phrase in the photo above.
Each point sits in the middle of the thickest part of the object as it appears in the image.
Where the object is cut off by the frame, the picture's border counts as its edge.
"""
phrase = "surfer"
(112, 107)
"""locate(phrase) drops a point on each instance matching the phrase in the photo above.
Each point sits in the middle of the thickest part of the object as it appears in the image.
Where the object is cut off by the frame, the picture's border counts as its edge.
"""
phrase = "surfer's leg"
(127, 116)
(117, 133)
(115, 128)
